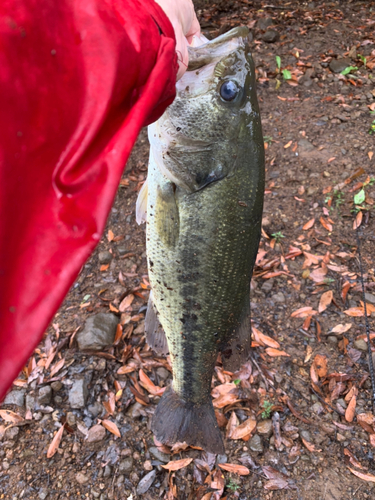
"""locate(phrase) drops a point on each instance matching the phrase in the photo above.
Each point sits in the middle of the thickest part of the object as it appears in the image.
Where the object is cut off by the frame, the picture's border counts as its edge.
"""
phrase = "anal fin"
(236, 351)
(155, 335)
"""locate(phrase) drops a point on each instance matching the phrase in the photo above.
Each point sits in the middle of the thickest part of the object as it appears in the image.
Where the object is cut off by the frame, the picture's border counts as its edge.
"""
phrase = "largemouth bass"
(204, 206)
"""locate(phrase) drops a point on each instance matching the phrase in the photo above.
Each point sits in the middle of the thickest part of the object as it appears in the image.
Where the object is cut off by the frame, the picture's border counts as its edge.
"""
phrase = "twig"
(370, 363)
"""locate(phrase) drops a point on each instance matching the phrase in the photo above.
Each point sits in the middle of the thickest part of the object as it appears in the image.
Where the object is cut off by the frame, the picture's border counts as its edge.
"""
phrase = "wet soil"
(316, 125)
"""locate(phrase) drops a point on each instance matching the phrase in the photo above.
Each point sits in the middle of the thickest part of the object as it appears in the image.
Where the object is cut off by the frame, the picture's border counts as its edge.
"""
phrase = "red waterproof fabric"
(78, 79)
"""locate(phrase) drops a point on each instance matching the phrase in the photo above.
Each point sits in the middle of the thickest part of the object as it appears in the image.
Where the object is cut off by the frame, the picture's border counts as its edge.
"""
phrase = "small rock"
(271, 36)
(340, 437)
(342, 403)
(264, 428)
(221, 459)
(56, 386)
(15, 398)
(332, 340)
(96, 433)
(136, 410)
(12, 433)
(162, 373)
(317, 408)
(126, 465)
(81, 478)
(30, 402)
(99, 331)
(159, 455)
(278, 297)
(44, 396)
(338, 65)
(264, 23)
(43, 493)
(107, 471)
(147, 465)
(95, 409)
(105, 257)
(267, 285)
(146, 482)
(370, 298)
(360, 344)
(71, 419)
(306, 435)
(78, 394)
(255, 444)
(122, 250)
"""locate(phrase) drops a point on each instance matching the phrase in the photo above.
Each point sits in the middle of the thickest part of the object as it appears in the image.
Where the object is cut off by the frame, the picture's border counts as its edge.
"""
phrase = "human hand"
(185, 24)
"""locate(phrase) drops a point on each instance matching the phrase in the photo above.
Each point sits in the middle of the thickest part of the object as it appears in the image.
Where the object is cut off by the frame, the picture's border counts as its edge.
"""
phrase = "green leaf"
(237, 381)
(287, 74)
(362, 58)
(86, 297)
(359, 198)
(278, 61)
(348, 69)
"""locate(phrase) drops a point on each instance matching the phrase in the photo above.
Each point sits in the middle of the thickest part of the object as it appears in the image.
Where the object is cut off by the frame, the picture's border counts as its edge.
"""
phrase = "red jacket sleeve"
(78, 80)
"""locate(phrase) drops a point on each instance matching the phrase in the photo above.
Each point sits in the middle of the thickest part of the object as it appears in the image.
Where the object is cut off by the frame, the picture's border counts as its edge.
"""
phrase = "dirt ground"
(307, 391)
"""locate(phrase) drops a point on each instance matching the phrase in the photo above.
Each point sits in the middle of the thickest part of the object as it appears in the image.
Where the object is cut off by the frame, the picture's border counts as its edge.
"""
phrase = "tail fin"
(176, 420)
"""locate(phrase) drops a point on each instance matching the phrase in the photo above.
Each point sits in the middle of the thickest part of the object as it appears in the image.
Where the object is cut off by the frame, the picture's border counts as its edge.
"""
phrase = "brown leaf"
(325, 300)
(358, 220)
(118, 335)
(275, 352)
(110, 405)
(126, 303)
(350, 410)
(352, 459)
(111, 427)
(326, 224)
(235, 469)
(220, 390)
(355, 311)
(110, 235)
(177, 464)
(149, 385)
(264, 339)
(57, 367)
(231, 425)
(310, 446)
(244, 429)
(339, 329)
(226, 399)
(126, 369)
(320, 364)
(55, 442)
(10, 416)
(308, 224)
(366, 477)
(303, 312)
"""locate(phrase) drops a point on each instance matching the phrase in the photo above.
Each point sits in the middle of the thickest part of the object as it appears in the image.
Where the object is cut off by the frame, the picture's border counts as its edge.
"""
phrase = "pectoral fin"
(141, 205)
(166, 214)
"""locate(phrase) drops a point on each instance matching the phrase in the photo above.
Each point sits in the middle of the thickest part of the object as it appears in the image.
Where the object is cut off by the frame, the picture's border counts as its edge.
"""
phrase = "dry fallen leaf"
(57, 367)
(350, 410)
(126, 303)
(275, 352)
(231, 425)
(310, 446)
(366, 477)
(177, 464)
(326, 224)
(308, 224)
(149, 385)
(226, 399)
(358, 220)
(320, 364)
(325, 300)
(244, 429)
(339, 329)
(236, 469)
(110, 235)
(10, 416)
(303, 312)
(355, 311)
(111, 427)
(55, 442)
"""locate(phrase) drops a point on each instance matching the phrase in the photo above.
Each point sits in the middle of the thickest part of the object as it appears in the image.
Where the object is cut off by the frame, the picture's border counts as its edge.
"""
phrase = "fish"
(203, 202)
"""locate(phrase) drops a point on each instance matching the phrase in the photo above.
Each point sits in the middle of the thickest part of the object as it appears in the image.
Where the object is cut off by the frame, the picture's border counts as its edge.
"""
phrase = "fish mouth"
(217, 48)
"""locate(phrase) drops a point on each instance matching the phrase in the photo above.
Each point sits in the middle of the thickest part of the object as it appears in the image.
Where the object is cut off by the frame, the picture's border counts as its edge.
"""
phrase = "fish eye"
(229, 90)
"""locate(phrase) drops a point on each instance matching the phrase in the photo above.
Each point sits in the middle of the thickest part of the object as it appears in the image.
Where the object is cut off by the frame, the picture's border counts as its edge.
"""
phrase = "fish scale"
(204, 209)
